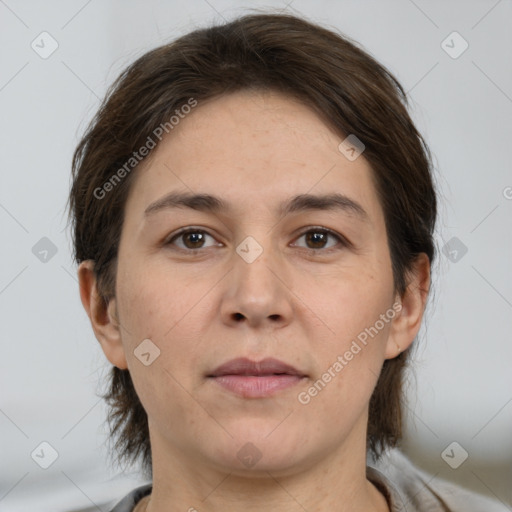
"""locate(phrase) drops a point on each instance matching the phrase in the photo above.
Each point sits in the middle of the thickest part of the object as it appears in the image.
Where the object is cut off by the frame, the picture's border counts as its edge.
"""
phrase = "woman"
(253, 216)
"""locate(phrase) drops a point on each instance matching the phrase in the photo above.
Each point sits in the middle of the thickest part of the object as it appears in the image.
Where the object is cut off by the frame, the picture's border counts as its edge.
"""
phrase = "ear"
(407, 322)
(103, 318)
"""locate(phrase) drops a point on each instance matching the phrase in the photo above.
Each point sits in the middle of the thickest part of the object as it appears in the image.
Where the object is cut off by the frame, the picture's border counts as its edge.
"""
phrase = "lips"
(244, 366)
(256, 379)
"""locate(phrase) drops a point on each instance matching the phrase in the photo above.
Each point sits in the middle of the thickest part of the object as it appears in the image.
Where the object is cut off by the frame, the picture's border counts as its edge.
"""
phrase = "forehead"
(254, 149)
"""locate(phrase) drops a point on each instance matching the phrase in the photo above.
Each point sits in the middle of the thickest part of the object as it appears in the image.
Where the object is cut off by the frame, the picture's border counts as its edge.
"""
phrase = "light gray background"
(51, 365)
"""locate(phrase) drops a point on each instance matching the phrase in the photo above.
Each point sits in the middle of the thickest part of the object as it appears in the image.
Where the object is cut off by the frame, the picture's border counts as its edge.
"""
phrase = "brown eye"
(190, 239)
(320, 239)
(193, 240)
(317, 239)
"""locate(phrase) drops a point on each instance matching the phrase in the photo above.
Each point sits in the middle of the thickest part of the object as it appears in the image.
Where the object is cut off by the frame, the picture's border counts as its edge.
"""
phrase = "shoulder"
(411, 489)
(128, 503)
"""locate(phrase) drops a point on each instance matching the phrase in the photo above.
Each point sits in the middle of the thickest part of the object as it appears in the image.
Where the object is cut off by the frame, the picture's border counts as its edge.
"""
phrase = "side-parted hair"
(346, 87)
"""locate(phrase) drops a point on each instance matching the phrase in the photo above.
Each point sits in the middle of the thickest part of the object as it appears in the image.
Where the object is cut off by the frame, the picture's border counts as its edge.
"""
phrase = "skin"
(301, 302)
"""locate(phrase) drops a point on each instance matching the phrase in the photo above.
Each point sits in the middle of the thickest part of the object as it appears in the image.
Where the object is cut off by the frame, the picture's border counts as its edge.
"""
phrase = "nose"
(257, 294)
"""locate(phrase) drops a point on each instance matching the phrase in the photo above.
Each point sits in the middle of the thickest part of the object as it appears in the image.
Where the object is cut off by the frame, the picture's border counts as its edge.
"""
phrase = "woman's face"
(293, 265)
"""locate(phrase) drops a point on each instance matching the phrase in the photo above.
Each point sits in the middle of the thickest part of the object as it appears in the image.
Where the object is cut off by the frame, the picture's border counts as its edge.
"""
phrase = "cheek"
(165, 309)
(154, 302)
(348, 362)
(356, 313)
(349, 304)
(174, 312)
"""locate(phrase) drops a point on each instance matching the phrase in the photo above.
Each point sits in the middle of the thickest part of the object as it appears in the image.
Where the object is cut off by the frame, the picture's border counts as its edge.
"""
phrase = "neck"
(336, 482)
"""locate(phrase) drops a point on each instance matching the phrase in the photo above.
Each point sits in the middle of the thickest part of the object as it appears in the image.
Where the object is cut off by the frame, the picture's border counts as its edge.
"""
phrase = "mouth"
(256, 379)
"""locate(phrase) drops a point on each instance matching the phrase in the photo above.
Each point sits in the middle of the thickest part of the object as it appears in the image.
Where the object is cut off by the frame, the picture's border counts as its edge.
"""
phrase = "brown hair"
(351, 92)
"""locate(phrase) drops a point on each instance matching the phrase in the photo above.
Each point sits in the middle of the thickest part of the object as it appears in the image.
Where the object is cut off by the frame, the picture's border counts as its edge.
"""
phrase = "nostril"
(238, 316)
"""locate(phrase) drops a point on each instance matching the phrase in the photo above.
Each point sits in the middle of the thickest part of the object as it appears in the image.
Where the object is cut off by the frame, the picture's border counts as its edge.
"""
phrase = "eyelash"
(343, 242)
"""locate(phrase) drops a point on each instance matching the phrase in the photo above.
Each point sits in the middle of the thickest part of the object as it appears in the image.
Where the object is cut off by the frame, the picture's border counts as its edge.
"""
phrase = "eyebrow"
(296, 204)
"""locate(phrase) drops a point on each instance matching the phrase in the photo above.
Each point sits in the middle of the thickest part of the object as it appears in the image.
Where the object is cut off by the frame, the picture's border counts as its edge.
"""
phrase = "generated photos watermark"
(137, 156)
(304, 397)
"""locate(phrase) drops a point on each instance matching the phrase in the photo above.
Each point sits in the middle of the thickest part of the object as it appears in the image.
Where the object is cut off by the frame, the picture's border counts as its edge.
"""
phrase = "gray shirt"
(406, 488)
(410, 489)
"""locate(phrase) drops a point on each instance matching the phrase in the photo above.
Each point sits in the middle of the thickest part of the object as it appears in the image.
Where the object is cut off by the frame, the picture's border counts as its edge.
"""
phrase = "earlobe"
(103, 317)
(407, 322)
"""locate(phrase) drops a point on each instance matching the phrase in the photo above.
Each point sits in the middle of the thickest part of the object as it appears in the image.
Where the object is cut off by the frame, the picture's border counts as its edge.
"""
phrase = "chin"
(263, 446)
